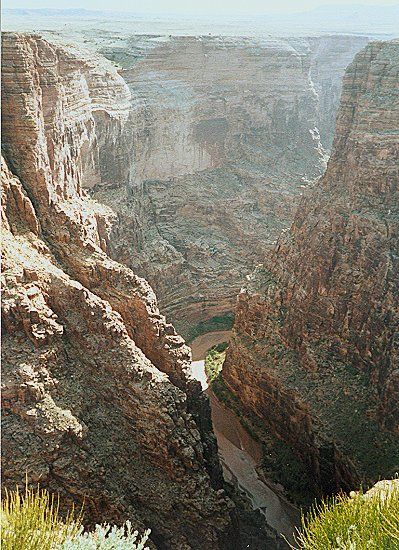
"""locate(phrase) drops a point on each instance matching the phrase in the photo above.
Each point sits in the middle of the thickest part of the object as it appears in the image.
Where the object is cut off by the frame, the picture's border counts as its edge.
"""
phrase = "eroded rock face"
(315, 348)
(202, 154)
(224, 135)
(99, 403)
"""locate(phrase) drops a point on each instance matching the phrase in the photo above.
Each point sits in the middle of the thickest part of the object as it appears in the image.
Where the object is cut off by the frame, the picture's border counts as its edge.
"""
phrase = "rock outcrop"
(223, 136)
(203, 152)
(99, 403)
(220, 138)
(314, 353)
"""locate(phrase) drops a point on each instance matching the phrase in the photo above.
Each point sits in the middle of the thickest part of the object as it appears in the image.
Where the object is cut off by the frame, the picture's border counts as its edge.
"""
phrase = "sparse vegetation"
(106, 537)
(214, 361)
(213, 367)
(30, 521)
(359, 522)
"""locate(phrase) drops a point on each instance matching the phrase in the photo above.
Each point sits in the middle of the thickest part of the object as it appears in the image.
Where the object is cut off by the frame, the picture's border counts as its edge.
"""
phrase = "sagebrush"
(107, 537)
(30, 521)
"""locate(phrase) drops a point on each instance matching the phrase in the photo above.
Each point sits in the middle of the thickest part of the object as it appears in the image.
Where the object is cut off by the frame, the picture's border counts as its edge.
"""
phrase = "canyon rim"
(162, 188)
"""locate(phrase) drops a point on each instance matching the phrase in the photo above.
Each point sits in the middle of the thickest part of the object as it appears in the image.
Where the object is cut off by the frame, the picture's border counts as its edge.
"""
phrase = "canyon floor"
(239, 453)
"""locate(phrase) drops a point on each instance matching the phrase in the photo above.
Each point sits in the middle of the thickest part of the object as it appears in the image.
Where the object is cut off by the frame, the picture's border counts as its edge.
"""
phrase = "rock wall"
(224, 135)
(314, 353)
(202, 154)
(192, 173)
(99, 403)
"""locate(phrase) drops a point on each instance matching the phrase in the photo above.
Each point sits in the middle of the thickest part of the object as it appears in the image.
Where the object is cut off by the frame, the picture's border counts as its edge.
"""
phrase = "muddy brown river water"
(239, 453)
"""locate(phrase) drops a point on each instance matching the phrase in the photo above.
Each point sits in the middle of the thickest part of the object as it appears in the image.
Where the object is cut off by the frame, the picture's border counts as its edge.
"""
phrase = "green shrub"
(361, 522)
(30, 521)
(214, 361)
(217, 323)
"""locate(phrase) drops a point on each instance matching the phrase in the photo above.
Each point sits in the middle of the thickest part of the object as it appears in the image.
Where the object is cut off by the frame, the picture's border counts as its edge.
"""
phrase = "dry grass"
(361, 522)
(30, 521)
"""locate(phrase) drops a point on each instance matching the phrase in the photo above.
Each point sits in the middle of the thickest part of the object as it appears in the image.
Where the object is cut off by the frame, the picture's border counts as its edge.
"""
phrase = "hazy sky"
(190, 6)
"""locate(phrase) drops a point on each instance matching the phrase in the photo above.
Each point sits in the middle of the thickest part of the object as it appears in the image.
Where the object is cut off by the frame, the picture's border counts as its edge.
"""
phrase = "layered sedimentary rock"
(314, 353)
(99, 404)
(223, 136)
(204, 150)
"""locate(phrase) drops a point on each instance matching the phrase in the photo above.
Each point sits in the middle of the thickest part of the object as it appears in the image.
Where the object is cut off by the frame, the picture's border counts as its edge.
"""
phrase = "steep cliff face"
(329, 57)
(315, 348)
(99, 403)
(224, 135)
(203, 151)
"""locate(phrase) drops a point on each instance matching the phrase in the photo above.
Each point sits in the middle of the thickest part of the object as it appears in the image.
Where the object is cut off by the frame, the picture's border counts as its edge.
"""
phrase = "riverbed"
(239, 453)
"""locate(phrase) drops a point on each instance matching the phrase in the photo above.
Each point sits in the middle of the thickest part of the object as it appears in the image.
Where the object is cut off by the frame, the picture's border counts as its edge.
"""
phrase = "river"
(239, 453)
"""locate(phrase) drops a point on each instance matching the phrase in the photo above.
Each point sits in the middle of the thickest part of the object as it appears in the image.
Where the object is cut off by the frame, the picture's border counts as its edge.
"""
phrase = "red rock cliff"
(315, 347)
(98, 399)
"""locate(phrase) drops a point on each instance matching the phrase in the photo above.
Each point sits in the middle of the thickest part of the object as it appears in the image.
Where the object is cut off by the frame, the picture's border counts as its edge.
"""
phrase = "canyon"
(218, 140)
(224, 135)
(179, 163)
(99, 404)
(313, 359)
(240, 453)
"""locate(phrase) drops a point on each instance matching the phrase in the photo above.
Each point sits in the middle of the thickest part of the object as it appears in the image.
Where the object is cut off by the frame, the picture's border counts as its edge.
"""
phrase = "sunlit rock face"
(314, 353)
(223, 136)
(99, 404)
(202, 153)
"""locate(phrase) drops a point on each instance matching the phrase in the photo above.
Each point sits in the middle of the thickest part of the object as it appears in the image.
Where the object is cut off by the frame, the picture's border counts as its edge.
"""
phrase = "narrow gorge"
(223, 136)
(313, 359)
(178, 169)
